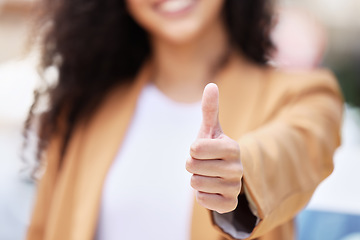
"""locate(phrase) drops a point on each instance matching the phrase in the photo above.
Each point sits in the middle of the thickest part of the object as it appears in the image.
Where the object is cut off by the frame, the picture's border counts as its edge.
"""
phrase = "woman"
(126, 108)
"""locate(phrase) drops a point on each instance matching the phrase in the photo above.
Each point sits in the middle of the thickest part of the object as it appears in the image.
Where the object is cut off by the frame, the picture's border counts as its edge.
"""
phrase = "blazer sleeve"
(285, 159)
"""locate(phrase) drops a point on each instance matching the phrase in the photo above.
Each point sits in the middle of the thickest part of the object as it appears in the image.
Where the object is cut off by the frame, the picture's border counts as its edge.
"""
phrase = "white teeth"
(174, 5)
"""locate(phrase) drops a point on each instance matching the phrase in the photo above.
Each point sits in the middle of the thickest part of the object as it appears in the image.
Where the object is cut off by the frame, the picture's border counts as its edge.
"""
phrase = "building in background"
(342, 24)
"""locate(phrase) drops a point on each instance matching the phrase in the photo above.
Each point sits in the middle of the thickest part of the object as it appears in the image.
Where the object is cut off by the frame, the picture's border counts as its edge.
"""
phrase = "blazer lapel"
(86, 163)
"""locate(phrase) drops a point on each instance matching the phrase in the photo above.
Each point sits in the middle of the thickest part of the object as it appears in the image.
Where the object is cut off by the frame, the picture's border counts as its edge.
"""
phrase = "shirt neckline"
(153, 89)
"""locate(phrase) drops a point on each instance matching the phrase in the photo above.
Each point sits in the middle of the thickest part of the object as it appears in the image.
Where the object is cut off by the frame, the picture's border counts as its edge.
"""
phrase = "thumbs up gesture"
(214, 160)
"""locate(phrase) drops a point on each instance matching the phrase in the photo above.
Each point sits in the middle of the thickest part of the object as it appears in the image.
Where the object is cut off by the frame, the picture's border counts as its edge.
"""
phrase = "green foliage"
(348, 75)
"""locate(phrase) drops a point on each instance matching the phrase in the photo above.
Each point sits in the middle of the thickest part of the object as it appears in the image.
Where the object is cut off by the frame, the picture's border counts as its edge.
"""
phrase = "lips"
(174, 7)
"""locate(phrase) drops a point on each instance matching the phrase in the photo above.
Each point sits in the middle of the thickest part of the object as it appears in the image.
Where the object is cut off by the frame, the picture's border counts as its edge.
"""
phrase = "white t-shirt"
(147, 192)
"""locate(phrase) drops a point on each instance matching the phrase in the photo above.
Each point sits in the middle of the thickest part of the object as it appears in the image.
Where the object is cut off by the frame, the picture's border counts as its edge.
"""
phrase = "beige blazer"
(287, 126)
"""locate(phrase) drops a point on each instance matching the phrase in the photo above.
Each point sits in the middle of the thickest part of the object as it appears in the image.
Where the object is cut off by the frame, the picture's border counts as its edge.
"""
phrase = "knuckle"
(230, 204)
(232, 189)
(241, 170)
(190, 165)
(201, 198)
(233, 150)
(233, 204)
(238, 169)
(224, 206)
(237, 189)
(195, 148)
(234, 171)
(237, 149)
(196, 182)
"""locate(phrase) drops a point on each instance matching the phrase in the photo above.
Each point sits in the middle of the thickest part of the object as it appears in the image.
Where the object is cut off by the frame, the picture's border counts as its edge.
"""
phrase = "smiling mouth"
(173, 8)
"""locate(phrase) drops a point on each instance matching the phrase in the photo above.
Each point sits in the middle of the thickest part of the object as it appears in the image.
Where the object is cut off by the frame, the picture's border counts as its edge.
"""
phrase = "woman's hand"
(215, 160)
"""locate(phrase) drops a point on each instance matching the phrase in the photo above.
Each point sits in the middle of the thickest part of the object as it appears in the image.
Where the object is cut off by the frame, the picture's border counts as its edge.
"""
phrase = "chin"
(176, 34)
(175, 21)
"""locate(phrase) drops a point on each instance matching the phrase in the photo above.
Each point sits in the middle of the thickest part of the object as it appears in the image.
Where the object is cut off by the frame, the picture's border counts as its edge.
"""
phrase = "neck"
(182, 70)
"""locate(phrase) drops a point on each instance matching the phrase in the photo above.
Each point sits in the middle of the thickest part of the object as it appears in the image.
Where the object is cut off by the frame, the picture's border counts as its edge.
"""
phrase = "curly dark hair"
(96, 44)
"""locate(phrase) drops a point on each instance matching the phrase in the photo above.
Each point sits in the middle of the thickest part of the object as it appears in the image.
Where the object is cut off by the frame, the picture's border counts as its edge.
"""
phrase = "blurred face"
(177, 21)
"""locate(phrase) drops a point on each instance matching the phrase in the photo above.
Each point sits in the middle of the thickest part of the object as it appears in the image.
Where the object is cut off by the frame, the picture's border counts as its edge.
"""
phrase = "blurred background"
(308, 34)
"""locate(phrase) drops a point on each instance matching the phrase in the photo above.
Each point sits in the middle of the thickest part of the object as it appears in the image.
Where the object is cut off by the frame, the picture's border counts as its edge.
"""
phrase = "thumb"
(210, 127)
